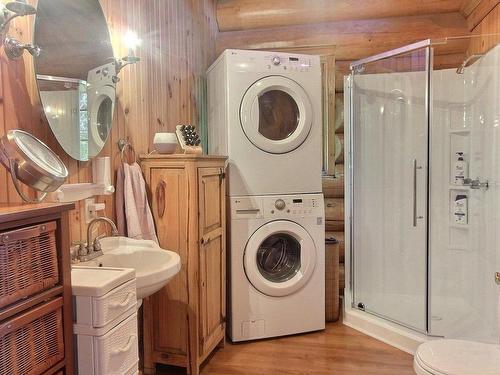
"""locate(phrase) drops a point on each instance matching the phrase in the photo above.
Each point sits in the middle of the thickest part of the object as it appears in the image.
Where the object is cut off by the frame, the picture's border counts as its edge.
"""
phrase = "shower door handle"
(415, 215)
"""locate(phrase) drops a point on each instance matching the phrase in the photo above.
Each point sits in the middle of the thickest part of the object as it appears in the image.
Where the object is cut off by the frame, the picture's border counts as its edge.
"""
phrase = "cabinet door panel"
(169, 306)
(212, 257)
(210, 200)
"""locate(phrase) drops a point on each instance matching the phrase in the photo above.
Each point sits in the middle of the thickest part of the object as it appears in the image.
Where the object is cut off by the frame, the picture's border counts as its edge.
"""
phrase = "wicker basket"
(28, 262)
(332, 302)
(33, 342)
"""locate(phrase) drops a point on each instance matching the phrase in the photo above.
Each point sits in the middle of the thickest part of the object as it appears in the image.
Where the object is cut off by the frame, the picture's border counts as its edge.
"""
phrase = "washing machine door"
(279, 258)
(276, 114)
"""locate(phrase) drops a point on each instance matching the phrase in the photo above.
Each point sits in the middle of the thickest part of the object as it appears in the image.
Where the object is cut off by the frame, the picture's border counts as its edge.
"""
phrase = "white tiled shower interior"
(464, 298)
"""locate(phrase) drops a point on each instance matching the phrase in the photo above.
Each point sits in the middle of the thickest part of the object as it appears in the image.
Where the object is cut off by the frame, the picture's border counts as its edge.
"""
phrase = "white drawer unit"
(114, 353)
(105, 320)
(98, 312)
(110, 306)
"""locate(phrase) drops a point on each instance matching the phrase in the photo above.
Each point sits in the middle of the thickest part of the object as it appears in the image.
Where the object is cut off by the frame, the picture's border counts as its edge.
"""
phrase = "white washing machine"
(277, 266)
(265, 114)
(101, 96)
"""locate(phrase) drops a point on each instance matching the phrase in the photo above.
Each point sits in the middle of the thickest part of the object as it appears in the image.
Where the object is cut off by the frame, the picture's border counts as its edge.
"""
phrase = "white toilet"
(457, 357)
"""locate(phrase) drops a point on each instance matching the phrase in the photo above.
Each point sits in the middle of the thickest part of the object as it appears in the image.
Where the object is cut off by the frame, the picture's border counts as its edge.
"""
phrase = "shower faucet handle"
(476, 183)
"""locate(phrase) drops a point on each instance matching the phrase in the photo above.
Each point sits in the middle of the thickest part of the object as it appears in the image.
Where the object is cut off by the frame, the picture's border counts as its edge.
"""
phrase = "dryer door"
(276, 114)
(279, 258)
(101, 109)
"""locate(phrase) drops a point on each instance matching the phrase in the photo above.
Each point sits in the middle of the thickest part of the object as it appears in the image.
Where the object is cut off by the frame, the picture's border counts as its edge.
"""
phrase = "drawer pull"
(114, 305)
(126, 348)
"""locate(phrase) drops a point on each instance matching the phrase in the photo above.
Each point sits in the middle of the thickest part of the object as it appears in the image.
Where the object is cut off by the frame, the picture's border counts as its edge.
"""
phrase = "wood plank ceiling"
(356, 28)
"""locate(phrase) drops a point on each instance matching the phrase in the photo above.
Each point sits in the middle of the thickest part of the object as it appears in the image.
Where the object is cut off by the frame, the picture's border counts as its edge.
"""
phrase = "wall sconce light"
(132, 41)
(13, 9)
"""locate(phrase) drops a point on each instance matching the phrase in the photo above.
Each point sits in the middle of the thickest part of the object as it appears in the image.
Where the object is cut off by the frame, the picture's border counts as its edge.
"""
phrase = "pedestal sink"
(154, 266)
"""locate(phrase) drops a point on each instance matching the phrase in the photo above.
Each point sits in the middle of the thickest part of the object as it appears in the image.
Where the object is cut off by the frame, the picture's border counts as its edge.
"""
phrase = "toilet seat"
(457, 357)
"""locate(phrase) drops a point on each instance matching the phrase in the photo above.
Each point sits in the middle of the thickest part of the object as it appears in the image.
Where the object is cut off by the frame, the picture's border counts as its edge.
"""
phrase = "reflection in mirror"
(76, 74)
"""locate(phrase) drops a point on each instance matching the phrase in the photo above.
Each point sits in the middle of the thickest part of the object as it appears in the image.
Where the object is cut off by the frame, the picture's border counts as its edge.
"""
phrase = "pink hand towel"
(140, 224)
(120, 202)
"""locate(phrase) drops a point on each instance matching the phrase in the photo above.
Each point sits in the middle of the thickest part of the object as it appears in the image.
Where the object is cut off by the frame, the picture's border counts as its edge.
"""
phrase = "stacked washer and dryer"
(265, 115)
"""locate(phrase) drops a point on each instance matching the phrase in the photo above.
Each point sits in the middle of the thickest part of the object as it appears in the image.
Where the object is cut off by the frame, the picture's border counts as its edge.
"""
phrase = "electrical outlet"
(92, 209)
(90, 212)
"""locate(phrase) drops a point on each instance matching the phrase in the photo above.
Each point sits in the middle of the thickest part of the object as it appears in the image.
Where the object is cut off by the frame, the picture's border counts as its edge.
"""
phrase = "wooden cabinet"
(185, 321)
(36, 327)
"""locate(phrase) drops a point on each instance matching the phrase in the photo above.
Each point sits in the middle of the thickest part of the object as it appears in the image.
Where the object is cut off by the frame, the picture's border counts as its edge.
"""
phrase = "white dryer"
(265, 114)
(101, 96)
(277, 266)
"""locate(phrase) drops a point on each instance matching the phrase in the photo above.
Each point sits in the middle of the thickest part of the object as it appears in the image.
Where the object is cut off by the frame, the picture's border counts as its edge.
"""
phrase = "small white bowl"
(165, 143)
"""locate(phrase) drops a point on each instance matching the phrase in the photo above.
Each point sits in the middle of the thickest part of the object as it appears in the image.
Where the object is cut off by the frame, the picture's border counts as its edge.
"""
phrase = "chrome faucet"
(476, 183)
(93, 248)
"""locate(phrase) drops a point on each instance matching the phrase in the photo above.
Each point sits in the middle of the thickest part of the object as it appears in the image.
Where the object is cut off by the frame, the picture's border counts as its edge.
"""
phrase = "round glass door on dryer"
(276, 114)
(279, 258)
(101, 94)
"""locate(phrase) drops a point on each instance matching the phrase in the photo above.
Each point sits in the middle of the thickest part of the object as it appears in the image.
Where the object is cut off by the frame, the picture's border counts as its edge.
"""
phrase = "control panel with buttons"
(277, 63)
(277, 207)
(291, 206)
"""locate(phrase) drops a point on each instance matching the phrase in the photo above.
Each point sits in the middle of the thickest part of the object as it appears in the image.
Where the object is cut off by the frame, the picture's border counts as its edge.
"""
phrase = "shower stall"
(423, 192)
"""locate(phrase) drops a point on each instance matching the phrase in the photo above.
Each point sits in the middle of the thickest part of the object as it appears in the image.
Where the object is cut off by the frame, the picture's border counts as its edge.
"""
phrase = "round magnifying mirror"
(76, 74)
(31, 162)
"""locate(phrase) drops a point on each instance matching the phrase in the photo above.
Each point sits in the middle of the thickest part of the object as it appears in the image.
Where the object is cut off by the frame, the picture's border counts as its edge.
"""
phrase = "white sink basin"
(154, 267)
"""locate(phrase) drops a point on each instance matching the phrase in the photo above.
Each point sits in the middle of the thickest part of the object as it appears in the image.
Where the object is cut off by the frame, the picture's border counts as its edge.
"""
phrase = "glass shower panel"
(465, 218)
(390, 165)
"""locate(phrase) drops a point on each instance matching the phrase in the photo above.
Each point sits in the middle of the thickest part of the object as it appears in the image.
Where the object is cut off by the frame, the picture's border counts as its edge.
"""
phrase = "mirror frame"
(74, 80)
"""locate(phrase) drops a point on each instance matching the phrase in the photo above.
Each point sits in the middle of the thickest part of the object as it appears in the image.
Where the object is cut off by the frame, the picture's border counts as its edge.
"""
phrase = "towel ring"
(123, 146)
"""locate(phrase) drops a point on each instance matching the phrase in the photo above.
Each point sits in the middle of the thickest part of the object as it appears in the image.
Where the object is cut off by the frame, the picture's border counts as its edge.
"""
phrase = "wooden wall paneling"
(256, 14)
(334, 209)
(468, 7)
(487, 33)
(483, 8)
(178, 44)
(333, 187)
(353, 39)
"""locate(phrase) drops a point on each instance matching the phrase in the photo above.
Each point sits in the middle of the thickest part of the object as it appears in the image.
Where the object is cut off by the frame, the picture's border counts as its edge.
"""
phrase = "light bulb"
(131, 40)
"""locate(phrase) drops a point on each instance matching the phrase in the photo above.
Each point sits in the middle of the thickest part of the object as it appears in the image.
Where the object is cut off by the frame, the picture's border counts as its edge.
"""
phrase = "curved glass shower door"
(389, 183)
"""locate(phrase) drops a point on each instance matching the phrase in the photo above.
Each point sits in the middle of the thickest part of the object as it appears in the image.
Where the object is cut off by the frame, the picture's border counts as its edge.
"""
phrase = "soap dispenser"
(460, 169)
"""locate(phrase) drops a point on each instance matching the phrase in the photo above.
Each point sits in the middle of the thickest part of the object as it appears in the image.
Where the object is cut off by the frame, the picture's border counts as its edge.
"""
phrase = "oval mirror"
(76, 74)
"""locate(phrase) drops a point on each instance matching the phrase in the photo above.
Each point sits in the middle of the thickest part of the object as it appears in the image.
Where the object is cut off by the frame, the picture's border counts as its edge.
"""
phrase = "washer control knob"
(276, 60)
(280, 204)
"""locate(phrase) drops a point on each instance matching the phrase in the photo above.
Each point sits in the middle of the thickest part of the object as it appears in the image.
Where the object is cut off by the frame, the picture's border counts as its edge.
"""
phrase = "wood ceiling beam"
(354, 39)
(233, 15)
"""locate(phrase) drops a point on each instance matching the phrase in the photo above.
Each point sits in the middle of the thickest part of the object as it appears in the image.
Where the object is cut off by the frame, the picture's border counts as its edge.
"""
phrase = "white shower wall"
(464, 258)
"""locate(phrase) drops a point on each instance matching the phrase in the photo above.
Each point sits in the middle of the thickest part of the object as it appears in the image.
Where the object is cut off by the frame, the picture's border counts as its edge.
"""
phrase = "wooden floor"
(338, 350)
